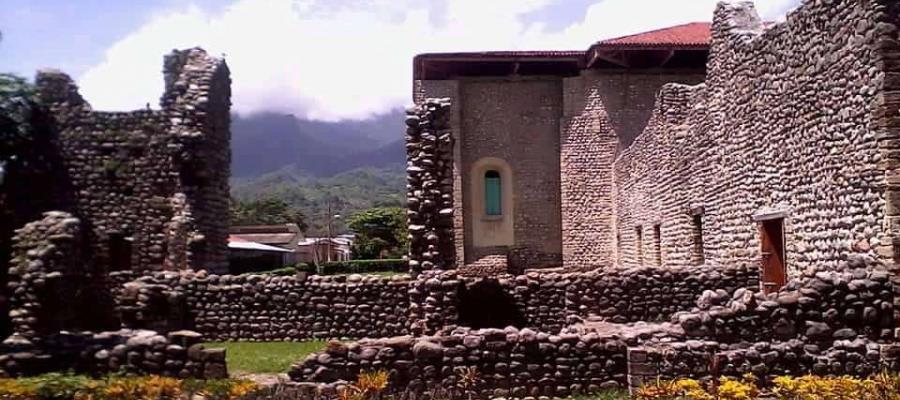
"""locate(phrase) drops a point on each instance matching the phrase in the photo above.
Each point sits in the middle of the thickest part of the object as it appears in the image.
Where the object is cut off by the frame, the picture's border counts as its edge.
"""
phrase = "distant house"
(320, 249)
(283, 236)
(246, 256)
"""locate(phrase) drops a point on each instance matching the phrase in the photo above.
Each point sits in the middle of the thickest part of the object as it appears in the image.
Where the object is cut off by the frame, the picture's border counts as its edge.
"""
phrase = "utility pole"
(330, 218)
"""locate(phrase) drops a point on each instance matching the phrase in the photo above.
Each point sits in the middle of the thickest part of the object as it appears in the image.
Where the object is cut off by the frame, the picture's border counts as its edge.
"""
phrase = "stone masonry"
(149, 186)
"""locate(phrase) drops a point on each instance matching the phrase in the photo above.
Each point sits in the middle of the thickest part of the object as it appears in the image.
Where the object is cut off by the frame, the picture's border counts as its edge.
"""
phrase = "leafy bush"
(57, 386)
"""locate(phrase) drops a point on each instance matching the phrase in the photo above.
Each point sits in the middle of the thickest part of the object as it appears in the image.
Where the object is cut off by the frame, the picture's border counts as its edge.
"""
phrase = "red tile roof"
(695, 34)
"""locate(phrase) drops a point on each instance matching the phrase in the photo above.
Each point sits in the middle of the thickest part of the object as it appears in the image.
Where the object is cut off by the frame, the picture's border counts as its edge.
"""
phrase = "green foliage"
(57, 386)
(380, 232)
(17, 101)
(362, 266)
(266, 211)
(265, 357)
(347, 193)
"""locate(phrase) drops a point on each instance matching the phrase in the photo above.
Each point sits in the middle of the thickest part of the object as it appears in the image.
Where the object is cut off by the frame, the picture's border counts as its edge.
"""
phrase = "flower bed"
(78, 387)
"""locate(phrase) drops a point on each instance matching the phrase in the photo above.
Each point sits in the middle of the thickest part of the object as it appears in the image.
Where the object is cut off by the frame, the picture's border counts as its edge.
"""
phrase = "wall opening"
(485, 304)
(697, 256)
(119, 252)
(657, 240)
(638, 243)
(771, 238)
(493, 194)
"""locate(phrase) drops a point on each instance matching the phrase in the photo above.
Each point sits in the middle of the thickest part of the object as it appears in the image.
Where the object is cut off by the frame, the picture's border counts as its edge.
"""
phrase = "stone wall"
(817, 308)
(268, 308)
(178, 354)
(150, 186)
(550, 301)
(604, 109)
(788, 123)
(429, 149)
(725, 335)
(516, 122)
(500, 362)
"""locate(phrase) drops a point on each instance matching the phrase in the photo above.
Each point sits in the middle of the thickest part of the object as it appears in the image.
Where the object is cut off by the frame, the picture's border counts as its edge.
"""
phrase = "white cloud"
(322, 61)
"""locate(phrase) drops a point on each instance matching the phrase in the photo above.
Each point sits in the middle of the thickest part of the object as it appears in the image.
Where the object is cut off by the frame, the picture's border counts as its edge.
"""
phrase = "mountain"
(267, 142)
(347, 192)
(349, 165)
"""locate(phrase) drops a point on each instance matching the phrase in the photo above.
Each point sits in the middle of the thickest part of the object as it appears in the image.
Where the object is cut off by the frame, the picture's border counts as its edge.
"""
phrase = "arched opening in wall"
(119, 252)
(485, 304)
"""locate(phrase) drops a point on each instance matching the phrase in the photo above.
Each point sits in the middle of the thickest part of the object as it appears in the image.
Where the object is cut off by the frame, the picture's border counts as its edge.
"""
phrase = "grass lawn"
(264, 357)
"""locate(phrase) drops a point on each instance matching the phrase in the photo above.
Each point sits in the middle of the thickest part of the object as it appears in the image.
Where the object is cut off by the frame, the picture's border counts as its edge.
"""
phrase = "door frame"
(765, 235)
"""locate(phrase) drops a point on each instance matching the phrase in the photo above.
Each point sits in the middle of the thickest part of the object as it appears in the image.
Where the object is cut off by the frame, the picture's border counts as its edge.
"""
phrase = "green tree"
(380, 232)
(266, 211)
(17, 100)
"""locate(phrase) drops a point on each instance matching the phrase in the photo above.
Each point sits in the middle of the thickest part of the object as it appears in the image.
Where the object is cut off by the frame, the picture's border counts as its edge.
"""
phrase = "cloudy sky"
(321, 59)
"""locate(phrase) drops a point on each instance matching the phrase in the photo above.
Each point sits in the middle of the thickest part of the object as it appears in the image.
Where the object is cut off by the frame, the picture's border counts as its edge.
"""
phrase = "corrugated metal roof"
(268, 238)
(235, 243)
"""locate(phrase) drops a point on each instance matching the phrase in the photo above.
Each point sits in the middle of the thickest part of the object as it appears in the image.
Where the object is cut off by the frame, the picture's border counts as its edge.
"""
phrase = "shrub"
(57, 386)
(880, 387)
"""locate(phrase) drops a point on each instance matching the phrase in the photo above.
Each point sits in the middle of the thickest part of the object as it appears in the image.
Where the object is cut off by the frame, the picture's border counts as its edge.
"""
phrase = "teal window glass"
(492, 193)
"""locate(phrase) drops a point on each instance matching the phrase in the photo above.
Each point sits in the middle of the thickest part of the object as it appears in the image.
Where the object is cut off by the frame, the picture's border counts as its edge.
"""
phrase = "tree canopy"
(380, 233)
(266, 211)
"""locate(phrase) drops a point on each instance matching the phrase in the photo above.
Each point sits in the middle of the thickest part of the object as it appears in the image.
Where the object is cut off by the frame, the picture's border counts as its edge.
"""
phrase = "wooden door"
(774, 274)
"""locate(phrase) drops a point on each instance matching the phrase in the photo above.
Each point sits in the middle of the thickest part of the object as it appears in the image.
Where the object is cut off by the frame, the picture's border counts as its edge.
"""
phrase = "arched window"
(492, 193)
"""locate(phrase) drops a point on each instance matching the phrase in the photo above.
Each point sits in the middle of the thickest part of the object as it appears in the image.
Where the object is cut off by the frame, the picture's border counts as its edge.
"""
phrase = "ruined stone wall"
(787, 122)
(550, 301)
(150, 186)
(268, 308)
(430, 197)
(177, 354)
(603, 111)
(794, 331)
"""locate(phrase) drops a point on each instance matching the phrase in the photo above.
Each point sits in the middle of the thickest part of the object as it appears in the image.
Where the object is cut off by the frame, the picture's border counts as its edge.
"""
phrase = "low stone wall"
(139, 352)
(507, 362)
(268, 308)
(743, 332)
(818, 307)
(548, 301)
(765, 360)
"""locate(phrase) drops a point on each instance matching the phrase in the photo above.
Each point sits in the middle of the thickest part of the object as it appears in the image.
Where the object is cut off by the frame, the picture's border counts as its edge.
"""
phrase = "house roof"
(692, 39)
(694, 34)
(237, 243)
(268, 238)
(280, 228)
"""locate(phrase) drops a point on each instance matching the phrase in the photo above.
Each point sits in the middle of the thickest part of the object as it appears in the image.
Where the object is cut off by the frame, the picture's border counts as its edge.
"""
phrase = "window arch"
(493, 193)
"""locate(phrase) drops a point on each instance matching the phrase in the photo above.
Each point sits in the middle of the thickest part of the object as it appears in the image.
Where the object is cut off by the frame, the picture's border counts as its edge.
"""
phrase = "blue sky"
(323, 59)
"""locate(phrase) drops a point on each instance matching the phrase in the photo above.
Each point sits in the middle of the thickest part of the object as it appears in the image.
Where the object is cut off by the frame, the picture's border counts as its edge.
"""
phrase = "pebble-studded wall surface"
(151, 186)
(266, 308)
(789, 123)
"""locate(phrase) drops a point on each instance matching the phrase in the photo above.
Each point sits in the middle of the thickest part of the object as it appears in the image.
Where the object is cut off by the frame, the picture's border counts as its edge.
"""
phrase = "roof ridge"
(652, 31)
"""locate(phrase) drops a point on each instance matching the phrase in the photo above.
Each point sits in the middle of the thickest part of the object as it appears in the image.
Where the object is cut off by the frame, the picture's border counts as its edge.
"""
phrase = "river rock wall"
(790, 123)
(429, 174)
(268, 308)
(150, 186)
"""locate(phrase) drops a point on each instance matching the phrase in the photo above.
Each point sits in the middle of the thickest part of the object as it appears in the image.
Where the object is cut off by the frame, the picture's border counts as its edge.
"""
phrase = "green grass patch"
(265, 357)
